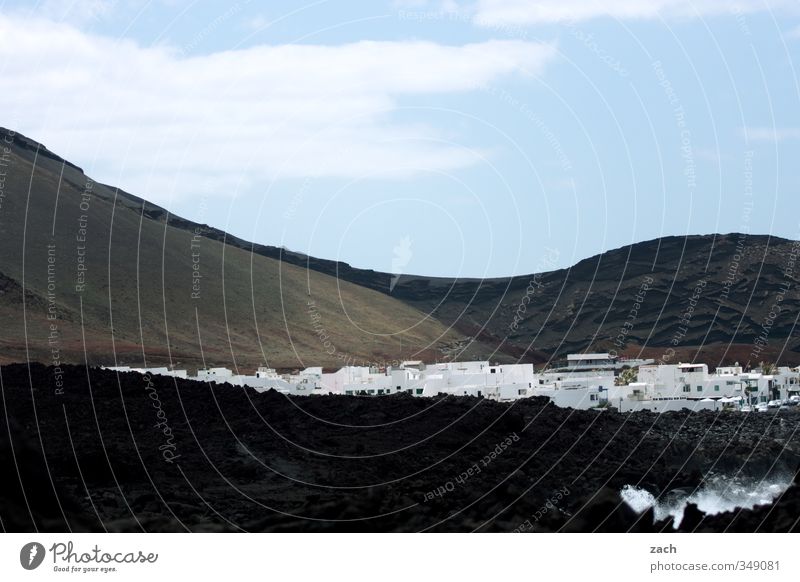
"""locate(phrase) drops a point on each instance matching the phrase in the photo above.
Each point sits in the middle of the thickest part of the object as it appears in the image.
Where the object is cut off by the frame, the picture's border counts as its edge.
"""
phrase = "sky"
(482, 138)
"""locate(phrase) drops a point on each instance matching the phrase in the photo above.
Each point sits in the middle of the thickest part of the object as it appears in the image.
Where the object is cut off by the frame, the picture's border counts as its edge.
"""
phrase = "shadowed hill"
(719, 298)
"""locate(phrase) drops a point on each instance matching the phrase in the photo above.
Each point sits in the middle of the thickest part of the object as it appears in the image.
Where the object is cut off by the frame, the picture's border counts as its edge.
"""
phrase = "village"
(584, 381)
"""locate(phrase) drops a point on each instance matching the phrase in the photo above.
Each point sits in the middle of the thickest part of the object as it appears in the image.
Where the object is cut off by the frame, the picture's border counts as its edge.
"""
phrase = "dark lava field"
(93, 450)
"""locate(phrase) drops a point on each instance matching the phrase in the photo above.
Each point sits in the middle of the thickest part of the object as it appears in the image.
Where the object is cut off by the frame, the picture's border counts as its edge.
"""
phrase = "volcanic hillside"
(89, 272)
(126, 293)
(720, 298)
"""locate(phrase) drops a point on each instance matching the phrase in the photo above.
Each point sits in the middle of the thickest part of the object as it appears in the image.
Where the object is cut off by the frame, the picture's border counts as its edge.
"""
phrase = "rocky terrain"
(93, 450)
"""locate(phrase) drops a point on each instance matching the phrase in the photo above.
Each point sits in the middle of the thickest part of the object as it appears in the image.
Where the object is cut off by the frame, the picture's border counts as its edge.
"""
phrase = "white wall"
(580, 399)
(665, 405)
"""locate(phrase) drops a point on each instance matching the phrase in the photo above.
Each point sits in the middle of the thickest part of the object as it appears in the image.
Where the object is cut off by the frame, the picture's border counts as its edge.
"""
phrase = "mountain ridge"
(534, 317)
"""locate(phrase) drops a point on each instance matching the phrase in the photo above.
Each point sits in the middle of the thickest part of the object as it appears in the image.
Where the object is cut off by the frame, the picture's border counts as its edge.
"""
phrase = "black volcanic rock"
(240, 460)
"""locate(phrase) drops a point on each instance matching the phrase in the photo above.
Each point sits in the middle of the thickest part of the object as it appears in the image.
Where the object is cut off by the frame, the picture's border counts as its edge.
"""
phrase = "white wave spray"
(718, 494)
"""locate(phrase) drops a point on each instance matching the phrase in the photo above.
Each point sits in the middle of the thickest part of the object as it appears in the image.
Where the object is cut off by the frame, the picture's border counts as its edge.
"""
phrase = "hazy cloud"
(516, 12)
(155, 119)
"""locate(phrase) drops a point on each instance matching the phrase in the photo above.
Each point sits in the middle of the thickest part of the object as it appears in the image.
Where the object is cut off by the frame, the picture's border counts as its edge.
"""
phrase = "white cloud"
(144, 114)
(518, 12)
(774, 134)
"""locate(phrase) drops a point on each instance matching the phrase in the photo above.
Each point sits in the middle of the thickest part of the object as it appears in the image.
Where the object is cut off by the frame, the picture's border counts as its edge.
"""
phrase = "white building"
(601, 361)
(694, 382)
(481, 379)
(590, 360)
(214, 374)
(584, 385)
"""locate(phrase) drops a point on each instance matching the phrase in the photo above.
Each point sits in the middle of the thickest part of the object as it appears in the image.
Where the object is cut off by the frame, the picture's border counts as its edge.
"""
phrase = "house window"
(699, 388)
(419, 390)
(592, 396)
(686, 389)
(398, 387)
(716, 388)
(348, 392)
(522, 391)
(493, 371)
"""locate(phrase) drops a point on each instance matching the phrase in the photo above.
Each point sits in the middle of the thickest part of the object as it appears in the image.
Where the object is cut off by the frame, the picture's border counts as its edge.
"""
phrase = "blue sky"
(483, 138)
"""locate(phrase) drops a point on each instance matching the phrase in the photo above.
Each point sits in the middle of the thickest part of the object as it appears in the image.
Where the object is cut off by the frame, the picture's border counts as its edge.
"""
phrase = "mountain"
(117, 275)
(721, 298)
(90, 273)
(718, 298)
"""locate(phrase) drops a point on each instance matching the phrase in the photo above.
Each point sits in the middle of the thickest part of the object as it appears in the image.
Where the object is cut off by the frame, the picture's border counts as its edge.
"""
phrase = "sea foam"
(718, 494)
